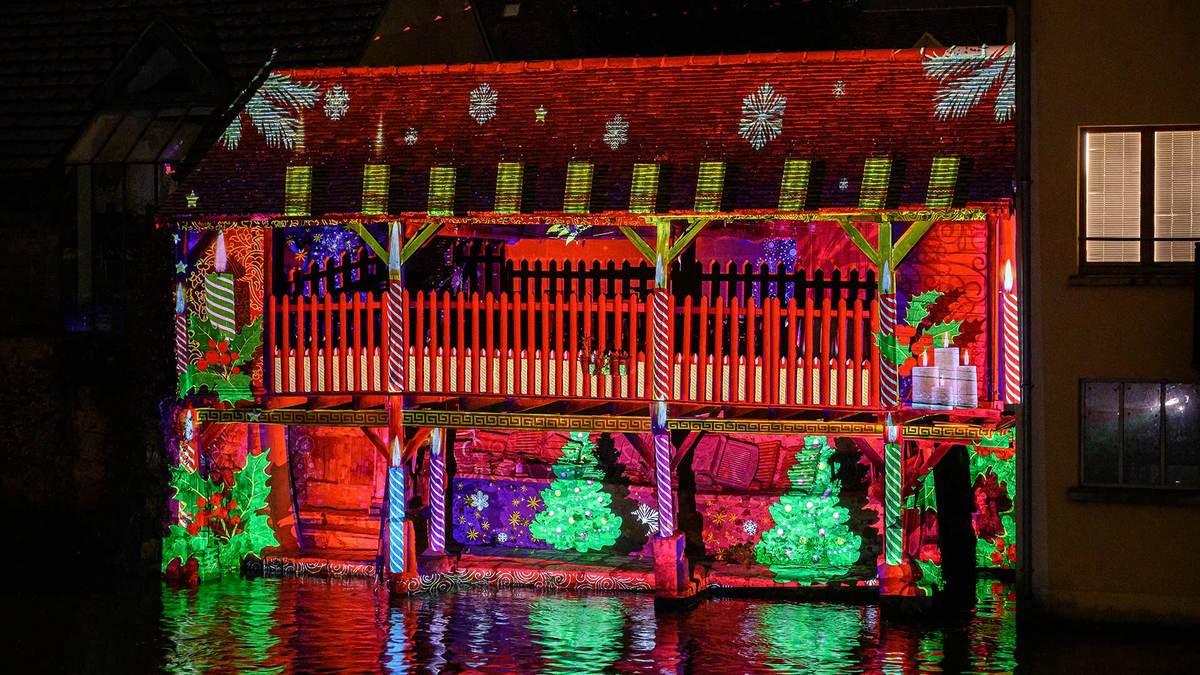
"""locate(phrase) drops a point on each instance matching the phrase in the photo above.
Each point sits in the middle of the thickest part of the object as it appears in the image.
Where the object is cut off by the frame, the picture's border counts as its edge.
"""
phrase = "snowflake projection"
(615, 132)
(337, 103)
(477, 501)
(966, 74)
(502, 537)
(275, 111)
(410, 136)
(839, 89)
(762, 116)
(844, 184)
(648, 516)
(483, 103)
(750, 527)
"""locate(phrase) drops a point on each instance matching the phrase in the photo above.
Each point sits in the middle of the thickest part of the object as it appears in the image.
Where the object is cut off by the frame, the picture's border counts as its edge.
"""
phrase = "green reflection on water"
(811, 638)
(578, 635)
(222, 625)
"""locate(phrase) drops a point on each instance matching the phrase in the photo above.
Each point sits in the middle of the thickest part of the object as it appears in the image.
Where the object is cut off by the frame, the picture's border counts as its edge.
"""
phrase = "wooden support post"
(272, 439)
(398, 543)
(663, 361)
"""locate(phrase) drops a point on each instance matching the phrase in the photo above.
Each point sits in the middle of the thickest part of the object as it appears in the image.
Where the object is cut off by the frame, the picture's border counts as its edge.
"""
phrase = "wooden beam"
(422, 237)
(319, 402)
(418, 437)
(693, 230)
(908, 240)
(276, 402)
(643, 448)
(211, 434)
(860, 241)
(368, 239)
(640, 244)
(378, 442)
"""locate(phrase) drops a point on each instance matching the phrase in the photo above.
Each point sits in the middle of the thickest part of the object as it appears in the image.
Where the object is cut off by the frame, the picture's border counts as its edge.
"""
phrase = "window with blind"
(1139, 198)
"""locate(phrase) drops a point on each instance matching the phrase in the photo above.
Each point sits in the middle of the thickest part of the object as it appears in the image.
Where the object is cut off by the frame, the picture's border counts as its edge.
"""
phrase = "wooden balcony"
(811, 353)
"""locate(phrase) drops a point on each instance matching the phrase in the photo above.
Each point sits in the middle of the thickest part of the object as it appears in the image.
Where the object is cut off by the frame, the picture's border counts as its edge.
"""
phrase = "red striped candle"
(1012, 339)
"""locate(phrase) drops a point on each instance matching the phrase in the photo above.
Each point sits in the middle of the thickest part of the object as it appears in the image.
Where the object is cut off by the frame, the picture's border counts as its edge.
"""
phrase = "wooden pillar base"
(433, 562)
(897, 581)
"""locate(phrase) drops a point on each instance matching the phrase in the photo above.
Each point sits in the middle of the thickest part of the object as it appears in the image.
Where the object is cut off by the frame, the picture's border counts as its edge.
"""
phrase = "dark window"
(1139, 199)
(1140, 434)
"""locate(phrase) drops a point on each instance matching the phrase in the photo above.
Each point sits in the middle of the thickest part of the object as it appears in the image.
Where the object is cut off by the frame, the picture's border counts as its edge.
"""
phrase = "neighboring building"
(104, 105)
(1115, 201)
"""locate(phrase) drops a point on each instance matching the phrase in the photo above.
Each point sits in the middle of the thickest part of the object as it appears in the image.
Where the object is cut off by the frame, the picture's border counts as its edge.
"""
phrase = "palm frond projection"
(967, 74)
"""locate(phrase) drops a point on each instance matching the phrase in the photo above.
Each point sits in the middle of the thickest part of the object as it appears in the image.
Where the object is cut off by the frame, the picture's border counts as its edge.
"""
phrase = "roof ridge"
(627, 62)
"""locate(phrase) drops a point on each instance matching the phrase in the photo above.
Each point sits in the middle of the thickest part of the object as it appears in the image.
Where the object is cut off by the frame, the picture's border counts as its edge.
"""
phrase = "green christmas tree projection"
(223, 522)
(577, 511)
(811, 541)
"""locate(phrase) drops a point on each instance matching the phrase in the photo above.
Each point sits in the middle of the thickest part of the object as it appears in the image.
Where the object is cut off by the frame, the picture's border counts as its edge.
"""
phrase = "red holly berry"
(223, 346)
(202, 365)
(212, 343)
(233, 355)
(235, 520)
(216, 499)
(236, 370)
(211, 356)
(193, 528)
(219, 513)
(232, 504)
(201, 503)
(224, 359)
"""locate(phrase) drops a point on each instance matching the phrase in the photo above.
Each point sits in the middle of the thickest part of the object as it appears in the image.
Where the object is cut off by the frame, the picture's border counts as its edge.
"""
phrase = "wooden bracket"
(368, 239)
(378, 442)
(640, 244)
(424, 233)
(695, 225)
(886, 251)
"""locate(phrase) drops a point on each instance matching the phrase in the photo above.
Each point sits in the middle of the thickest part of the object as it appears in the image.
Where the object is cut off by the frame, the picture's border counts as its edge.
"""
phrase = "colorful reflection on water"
(298, 625)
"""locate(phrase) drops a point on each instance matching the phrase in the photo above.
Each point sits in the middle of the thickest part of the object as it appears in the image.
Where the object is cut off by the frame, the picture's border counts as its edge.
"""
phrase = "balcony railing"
(799, 352)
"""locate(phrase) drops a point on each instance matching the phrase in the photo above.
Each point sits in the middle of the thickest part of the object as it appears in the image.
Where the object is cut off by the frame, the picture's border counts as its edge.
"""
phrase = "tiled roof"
(55, 53)
(841, 109)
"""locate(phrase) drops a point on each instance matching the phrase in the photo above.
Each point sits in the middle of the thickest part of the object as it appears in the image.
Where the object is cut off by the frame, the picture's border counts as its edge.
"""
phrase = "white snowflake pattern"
(839, 89)
(502, 537)
(410, 136)
(750, 527)
(483, 103)
(762, 116)
(966, 74)
(615, 132)
(648, 516)
(478, 501)
(337, 102)
(844, 184)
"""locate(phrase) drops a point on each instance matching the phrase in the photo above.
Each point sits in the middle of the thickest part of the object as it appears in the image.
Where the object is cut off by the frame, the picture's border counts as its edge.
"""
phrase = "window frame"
(1146, 266)
(1162, 435)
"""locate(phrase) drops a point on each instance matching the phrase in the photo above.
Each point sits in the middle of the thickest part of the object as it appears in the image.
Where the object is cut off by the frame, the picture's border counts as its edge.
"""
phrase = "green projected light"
(577, 514)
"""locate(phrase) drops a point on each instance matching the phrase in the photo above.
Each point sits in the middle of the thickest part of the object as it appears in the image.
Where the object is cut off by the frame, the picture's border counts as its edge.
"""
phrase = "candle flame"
(219, 262)
(891, 430)
(394, 248)
(1008, 276)
(966, 358)
(396, 453)
(885, 285)
(179, 299)
(925, 358)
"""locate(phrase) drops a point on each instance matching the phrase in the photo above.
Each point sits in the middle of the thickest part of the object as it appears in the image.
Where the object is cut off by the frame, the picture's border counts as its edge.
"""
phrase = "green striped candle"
(893, 481)
(219, 288)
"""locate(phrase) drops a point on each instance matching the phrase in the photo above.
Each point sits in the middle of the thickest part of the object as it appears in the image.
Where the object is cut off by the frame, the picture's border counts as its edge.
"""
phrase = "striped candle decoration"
(219, 288)
(397, 378)
(1012, 339)
(889, 375)
(396, 519)
(662, 477)
(893, 458)
(662, 348)
(189, 452)
(181, 340)
(437, 491)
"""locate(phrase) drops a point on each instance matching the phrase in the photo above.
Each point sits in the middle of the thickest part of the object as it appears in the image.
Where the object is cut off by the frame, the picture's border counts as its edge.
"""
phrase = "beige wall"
(1103, 62)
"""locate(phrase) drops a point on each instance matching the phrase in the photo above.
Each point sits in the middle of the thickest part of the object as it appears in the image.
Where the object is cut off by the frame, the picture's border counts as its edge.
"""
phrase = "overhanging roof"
(834, 110)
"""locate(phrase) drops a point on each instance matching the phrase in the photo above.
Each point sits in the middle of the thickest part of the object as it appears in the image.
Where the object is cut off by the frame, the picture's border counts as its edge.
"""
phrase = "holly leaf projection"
(224, 523)
(945, 332)
(918, 307)
(891, 350)
(997, 440)
(931, 576)
(570, 232)
(221, 366)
